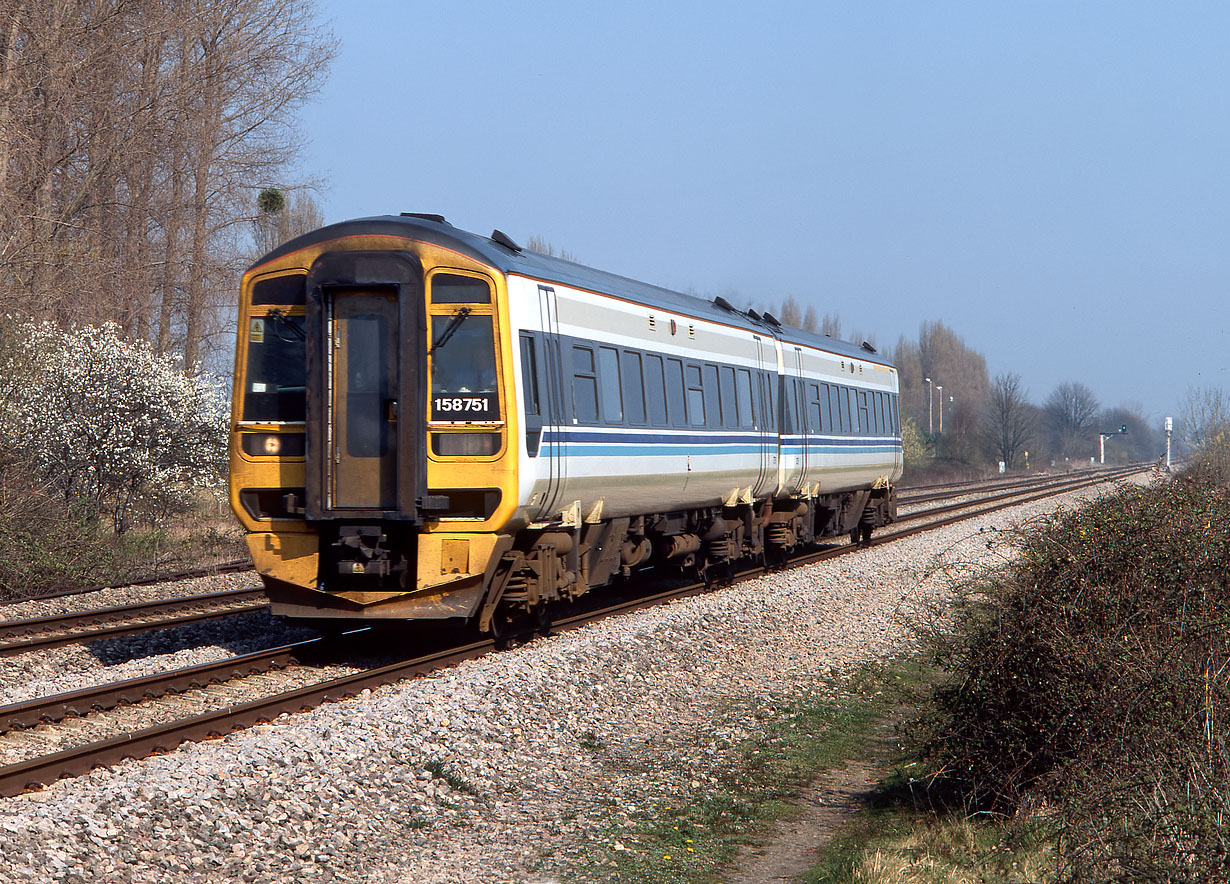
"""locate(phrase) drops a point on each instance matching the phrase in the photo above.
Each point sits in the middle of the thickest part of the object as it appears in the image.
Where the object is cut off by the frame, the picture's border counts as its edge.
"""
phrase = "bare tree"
(831, 325)
(543, 246)
(1010, 421)
(790, 314)
(811, 322)
(131, 135)
(1204, 416)
(1071, 411)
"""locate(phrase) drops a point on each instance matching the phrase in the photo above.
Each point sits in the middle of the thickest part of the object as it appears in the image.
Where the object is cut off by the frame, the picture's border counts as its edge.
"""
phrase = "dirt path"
(791, 847)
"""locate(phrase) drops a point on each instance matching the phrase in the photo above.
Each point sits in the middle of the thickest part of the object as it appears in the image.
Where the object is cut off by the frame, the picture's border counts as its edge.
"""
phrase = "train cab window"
(675, 393)
(696, 397)
(288, 290)
(634, 387)
(463, 373)
(743, 395)
(449, 289)
(584, 385)
(277, 368)
(655, 390)
(612, 395)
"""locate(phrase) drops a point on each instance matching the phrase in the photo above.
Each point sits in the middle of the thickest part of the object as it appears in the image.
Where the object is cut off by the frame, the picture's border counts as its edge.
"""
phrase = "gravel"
(499, 769)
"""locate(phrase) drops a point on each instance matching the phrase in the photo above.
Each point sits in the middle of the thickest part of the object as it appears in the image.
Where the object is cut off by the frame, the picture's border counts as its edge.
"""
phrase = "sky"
(1049, 179)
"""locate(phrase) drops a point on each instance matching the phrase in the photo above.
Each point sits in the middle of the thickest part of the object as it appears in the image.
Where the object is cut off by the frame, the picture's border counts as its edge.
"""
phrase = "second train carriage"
(429, 423)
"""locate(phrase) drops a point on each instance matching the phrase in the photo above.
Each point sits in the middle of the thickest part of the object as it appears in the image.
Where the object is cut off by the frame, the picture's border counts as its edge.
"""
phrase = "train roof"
(499, 251)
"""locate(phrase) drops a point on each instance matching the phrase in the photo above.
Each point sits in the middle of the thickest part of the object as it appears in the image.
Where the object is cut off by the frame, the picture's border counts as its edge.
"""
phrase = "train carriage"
(431, 424)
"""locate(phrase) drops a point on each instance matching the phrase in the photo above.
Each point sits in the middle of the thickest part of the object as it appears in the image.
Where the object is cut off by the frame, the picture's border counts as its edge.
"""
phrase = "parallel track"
(37, 772)
(40, 633)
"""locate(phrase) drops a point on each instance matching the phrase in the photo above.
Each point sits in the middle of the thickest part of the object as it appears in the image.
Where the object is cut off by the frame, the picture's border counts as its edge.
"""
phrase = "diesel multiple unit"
(429, 424)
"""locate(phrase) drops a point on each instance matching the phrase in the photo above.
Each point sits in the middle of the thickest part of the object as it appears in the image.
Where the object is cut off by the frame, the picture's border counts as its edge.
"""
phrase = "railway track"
(40, 769)
(232, 567)
(42, 633)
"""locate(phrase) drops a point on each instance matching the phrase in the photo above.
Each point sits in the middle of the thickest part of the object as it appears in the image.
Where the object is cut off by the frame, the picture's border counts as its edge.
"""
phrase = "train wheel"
(540, 616)
(855, 534)
(865, 532)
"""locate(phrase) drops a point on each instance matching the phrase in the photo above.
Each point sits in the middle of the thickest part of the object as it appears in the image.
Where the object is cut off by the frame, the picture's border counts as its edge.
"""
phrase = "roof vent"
(867, 345)
(439, 219)
(502, 238)
(724, 304)
(752, 314)
(772, 320)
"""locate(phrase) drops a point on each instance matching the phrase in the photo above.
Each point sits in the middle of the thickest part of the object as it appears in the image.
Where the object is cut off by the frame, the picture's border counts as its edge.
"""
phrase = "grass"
(894, 845)
(692, 842)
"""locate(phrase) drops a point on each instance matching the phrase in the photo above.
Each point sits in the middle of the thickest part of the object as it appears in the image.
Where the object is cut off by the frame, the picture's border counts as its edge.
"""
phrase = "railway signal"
(1102, 437)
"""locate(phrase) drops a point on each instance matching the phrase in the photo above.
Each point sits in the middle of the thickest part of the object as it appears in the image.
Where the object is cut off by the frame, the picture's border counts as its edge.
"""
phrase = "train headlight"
(273, 444)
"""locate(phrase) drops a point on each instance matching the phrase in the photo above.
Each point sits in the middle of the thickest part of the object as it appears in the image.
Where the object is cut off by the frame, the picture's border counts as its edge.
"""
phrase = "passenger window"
(675, 393)
(449, 289)
(864, 422)
(838, 423)
(826, 415)
(713, 411)
(744, 394)
(529, 375)
(696, 397)
(730, 414)
(813, 408)
(612, 400)
(584, 385)
(655, 390)
(634, 387)
(789, 387)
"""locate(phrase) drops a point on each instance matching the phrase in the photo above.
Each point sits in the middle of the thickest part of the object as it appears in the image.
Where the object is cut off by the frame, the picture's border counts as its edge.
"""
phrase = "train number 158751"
(463, 407)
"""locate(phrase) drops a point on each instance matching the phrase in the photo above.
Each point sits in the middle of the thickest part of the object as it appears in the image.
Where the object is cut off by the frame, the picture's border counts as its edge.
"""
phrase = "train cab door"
(766, 418)
(552, 453)
(362, 401)
(366, 436)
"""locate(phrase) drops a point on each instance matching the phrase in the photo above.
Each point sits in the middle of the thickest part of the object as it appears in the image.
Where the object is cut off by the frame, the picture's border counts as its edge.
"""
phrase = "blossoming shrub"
(99, 434)
(1092, 677)
(112, 425)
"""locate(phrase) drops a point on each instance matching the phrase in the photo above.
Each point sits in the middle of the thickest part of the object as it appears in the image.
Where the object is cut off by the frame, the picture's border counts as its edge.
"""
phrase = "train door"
(766, 418)
(798, 402)
(365, 386)
(551, 452)
(363, 408)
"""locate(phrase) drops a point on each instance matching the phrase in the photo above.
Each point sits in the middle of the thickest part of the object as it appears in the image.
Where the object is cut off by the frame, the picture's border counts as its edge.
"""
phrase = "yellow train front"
(433, 424)
(340, 332)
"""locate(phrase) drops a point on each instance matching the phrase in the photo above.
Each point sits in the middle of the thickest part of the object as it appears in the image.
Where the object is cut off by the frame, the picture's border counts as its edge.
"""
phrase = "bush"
(1091, 677)
(117, 430)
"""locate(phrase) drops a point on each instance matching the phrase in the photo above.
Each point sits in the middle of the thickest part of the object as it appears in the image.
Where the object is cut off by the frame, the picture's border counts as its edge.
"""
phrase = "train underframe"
(530, 571)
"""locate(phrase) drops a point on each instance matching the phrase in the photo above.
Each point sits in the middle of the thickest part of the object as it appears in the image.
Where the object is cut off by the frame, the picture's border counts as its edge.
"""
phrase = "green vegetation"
(1078, 731)
(690, 841)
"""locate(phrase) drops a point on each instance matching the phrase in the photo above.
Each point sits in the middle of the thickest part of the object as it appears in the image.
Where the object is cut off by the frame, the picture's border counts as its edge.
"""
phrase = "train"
(431, 424)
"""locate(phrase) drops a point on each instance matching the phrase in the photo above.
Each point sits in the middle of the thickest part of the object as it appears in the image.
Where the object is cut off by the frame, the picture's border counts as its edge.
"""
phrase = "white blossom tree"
(109, 423)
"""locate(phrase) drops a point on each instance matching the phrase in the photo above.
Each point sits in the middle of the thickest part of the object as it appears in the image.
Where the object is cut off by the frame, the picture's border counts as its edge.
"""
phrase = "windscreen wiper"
(451, 328)
(285, 321)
